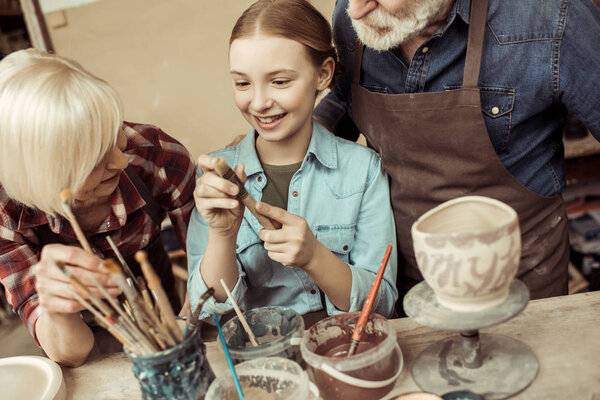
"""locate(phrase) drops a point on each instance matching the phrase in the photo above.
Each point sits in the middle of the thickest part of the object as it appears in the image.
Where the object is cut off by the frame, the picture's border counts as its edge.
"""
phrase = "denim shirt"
(541, 59)
(342, 192)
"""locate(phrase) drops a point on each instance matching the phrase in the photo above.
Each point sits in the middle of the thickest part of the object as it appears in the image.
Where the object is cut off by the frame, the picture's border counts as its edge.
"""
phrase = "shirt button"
(260, 178)
(144, 241)
(345, 247)
(424, 50)
(295, 194)
(495, 110)
(108, 224)
(313, 291)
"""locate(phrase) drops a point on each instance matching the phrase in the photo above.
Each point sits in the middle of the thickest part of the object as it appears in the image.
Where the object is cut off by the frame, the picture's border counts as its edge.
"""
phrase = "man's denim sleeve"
(579, 64)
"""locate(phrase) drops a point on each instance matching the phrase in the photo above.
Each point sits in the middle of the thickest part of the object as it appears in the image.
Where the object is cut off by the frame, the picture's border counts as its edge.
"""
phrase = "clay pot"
(468, 251)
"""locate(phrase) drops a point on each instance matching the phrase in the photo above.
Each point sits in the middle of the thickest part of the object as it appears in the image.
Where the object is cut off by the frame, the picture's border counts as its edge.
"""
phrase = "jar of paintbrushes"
(168, 362)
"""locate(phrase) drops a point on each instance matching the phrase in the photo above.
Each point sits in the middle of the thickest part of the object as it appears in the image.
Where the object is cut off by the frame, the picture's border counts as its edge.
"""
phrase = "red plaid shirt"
(163, 164)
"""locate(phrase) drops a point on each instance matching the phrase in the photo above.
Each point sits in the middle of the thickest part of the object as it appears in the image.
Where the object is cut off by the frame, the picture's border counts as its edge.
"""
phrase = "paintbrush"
(368, 306)
(105, 316)
(229, 361)
(226, 172)
(240, 315)
(65, 197)
(128, 273)
(161, 297)
(193, 322)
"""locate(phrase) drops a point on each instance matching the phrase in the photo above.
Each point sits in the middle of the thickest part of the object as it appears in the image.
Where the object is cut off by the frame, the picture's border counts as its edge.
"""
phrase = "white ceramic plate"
(31, 378)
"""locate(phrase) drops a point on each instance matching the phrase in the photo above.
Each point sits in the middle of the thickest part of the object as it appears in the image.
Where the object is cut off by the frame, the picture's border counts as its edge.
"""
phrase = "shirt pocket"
(497, 107)
(339, 239)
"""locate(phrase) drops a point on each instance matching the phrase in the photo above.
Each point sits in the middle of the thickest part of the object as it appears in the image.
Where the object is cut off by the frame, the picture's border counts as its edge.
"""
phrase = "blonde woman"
(62, 128)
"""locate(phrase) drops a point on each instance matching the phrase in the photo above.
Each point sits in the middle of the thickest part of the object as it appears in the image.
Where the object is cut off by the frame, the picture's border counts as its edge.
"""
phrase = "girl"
(330, 195)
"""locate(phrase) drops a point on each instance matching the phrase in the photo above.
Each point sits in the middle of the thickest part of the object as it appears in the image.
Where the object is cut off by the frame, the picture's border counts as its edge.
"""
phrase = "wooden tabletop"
(563, 332)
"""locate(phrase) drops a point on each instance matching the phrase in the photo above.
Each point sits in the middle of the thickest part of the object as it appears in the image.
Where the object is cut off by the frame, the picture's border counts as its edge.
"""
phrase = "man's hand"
(293, 244)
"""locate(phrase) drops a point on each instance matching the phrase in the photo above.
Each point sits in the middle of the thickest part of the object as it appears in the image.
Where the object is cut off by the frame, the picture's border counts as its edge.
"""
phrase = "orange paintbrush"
(368, 306)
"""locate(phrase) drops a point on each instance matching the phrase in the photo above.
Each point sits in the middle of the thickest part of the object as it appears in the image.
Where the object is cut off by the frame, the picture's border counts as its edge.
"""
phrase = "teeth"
(268, 120)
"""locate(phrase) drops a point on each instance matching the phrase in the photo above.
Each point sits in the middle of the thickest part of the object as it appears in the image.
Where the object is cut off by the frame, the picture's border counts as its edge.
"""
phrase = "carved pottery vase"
(468, 251)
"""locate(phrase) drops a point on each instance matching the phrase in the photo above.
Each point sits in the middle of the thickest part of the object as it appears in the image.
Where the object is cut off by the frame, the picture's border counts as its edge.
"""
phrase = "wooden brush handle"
(226, 172)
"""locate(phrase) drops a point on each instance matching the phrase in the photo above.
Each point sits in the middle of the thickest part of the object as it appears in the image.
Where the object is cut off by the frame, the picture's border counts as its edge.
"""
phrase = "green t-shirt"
(276, 190)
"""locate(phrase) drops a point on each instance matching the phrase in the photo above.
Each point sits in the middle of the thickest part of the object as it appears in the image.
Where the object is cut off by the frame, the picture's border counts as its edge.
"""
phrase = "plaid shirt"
(163, 164)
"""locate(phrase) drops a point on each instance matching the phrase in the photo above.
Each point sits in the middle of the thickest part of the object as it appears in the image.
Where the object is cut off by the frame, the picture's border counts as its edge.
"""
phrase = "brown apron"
(435, 147)
(104, 342)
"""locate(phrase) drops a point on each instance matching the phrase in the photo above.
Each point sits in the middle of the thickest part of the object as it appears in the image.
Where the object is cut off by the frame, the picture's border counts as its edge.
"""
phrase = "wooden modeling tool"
(226, 172)
(368, 306)
(193, 322)
(229, 361)
(162, 300)
(240, 315)
(65, 197)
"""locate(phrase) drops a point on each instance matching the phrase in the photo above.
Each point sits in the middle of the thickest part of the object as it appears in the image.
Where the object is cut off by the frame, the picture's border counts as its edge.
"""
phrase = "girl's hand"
(293, 244)
(214, 197)
(53, 287)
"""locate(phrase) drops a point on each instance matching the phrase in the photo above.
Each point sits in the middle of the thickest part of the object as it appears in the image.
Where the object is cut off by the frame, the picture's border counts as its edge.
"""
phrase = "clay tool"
(368, 306)
(240, 315)
(226, 172)
(162, 300)
(193, 322)
(128, 273)
(65, 196)
(235, 378)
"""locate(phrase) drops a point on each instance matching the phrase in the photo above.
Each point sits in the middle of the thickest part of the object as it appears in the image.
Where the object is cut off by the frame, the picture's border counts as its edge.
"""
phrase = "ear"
(326, 71)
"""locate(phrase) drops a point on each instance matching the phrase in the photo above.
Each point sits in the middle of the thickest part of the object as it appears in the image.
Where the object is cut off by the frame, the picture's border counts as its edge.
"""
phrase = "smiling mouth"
(269, 120)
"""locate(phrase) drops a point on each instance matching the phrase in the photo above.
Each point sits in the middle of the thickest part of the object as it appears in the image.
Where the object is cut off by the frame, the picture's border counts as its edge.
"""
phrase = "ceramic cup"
(468, 251)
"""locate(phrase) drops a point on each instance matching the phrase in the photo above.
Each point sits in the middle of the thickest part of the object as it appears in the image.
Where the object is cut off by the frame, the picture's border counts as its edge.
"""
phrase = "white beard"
(397, 28)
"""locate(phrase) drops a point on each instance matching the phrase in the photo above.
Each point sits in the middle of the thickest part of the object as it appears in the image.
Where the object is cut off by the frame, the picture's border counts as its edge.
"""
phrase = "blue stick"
(235, 378)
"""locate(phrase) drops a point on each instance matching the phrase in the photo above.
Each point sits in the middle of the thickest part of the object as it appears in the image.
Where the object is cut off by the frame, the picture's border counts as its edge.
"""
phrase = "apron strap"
(358, 53)
(477, 22)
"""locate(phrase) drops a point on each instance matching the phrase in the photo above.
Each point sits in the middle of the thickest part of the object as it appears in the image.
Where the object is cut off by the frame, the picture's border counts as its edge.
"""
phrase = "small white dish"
(31, 378)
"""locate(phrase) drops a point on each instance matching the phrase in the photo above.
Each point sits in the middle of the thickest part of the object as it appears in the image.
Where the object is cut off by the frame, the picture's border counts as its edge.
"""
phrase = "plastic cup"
(269, 378)
(278, 331)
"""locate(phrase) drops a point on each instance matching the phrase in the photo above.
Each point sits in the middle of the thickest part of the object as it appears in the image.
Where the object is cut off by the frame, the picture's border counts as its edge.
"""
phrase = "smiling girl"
(330, 195)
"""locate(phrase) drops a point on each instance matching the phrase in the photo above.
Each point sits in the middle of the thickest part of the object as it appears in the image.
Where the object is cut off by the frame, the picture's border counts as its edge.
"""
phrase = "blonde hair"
(57, 122)
(297, 20)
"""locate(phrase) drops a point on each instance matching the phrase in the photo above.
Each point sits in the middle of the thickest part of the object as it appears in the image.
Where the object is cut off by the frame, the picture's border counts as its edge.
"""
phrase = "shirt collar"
(461, 8)
(322, 146)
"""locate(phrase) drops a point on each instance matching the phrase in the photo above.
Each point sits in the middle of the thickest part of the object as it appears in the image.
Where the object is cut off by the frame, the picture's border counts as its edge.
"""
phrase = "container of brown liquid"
(369, 374)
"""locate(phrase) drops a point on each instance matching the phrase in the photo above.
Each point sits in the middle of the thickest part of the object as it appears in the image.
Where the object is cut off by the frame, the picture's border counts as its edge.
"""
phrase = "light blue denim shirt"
(541, 59)
(342, 193)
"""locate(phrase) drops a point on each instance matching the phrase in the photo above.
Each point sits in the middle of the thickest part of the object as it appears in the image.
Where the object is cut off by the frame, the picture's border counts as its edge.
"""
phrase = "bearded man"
(464, 98)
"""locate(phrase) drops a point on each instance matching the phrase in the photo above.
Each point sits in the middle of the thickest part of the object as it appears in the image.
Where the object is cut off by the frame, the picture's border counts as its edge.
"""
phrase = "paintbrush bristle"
(66, 195)
(110, 267)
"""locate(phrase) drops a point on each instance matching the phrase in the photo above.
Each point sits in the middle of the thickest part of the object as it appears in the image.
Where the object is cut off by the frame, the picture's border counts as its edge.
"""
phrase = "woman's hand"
(294, 244)
(53, 287)
(215, 198)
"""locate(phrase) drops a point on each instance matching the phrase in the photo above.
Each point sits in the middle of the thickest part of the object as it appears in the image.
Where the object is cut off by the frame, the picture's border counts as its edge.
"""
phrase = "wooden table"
(563, 332)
